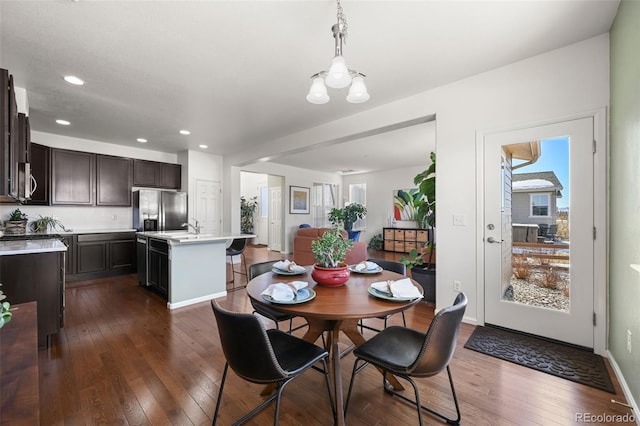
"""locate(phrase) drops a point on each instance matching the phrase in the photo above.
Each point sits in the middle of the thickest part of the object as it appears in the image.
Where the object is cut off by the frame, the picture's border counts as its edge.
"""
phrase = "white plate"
(388, 296)
(352, 268)
(281, 272)
(304, 295)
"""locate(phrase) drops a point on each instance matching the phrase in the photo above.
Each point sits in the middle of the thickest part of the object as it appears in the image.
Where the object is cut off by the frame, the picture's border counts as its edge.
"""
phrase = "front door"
(542, 283)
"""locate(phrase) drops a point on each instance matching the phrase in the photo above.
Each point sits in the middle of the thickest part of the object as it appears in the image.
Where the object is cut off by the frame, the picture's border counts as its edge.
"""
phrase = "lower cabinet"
(104, 254)
(37, 277)
(158, 265)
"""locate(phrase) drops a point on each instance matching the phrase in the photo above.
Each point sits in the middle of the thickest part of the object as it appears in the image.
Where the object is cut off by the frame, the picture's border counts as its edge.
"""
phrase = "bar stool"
(237, 248)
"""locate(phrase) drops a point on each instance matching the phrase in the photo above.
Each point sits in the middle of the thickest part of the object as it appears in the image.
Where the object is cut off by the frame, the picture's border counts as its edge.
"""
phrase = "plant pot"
(15, 226)
(426, 276)
(354, 235)
(331, 277)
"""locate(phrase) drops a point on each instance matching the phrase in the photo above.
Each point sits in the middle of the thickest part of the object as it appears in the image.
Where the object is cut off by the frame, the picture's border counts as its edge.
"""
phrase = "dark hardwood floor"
(124, 358)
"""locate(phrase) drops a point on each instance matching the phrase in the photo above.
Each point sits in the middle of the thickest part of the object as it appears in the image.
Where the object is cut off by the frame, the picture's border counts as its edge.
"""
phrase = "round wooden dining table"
(335, 309)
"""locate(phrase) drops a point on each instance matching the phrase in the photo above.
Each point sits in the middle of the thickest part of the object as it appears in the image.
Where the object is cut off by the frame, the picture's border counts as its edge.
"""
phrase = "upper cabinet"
(113, 183)
(154, 174)
(72, 177)
(40, 171)
(8, 138)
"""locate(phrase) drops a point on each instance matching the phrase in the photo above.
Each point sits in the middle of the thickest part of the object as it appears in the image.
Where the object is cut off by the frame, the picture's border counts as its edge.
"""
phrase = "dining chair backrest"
(390, 265)
(238, 245)
(260, 268)
(246, 346)
(440, 340)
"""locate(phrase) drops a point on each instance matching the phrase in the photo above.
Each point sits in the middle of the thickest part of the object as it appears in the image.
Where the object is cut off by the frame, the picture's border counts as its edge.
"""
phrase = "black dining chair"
(275, 316)
(408, 353)
(237, 247)
(393, 266)
(263, 357)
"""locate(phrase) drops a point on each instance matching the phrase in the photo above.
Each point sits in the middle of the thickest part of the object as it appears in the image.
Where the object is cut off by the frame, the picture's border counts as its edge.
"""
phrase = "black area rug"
(569, 362)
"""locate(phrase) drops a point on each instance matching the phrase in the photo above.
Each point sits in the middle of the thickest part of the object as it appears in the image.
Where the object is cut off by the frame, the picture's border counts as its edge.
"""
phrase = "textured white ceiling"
(236, 73)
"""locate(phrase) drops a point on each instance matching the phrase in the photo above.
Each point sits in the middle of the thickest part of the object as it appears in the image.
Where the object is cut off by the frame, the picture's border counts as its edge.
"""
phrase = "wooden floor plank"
(124, 358)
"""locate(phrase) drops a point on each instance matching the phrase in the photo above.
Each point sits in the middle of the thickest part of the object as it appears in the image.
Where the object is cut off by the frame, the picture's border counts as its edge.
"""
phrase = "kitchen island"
(188, 268)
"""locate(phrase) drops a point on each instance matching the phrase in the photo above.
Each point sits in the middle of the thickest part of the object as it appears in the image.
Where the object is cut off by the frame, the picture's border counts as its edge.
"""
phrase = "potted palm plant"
(347, 216)
(5, 310)
(423, 268)
(329, 252)
(43, 224)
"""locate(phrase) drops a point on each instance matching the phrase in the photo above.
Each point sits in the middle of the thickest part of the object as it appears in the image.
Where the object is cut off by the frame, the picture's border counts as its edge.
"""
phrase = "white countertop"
(31, 246)
(182, 237)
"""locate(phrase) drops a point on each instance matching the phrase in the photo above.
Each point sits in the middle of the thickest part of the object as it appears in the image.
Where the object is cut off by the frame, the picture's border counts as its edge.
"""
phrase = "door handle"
(493, 241)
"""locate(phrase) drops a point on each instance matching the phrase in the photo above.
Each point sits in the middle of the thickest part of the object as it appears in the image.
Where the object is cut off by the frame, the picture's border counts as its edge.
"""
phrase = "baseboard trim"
(625, 387)
(193, 301)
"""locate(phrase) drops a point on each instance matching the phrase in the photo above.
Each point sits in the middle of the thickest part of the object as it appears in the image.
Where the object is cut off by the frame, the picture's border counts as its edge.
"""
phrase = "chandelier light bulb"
(358, 91)
(318, 92)
(338, 76)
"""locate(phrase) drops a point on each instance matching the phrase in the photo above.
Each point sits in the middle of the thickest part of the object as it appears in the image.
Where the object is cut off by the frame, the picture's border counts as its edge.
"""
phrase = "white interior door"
(574, 324)
(207, 206)
(275, 218)
(262, 216)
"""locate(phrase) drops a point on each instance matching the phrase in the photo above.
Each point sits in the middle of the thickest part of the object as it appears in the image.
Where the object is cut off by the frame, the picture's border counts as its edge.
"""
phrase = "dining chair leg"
(224, 378)
(404, 320)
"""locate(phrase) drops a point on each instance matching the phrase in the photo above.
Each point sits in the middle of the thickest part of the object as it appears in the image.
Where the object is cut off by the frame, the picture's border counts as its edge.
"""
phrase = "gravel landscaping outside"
(531, 293)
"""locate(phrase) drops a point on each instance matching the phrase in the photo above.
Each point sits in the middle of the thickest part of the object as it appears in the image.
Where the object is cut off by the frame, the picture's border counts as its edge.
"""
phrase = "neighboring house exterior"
(535, 198)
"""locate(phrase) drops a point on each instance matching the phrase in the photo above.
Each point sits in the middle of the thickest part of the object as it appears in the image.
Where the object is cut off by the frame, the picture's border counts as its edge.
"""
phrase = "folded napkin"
(403, 288)
(284, 292)
(369, 266)
(287, 265)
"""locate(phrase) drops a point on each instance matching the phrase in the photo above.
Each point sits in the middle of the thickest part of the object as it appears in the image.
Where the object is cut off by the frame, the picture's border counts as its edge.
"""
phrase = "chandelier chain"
(342, 22)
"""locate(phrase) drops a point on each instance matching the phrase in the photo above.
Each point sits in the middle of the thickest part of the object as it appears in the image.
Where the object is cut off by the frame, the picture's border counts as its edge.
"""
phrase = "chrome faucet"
(196, 227)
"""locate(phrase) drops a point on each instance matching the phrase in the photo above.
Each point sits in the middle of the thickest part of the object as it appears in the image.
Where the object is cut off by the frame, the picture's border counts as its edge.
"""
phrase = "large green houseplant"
(330, 252)
(247, 213)
(347, 216)
(423, 267)
(5, 310)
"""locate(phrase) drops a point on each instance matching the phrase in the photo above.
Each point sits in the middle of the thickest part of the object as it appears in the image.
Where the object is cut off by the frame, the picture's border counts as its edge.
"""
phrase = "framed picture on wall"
(298, 200)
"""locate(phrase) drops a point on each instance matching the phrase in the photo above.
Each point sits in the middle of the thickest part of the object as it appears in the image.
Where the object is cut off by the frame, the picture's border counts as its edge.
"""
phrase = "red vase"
(332, 277)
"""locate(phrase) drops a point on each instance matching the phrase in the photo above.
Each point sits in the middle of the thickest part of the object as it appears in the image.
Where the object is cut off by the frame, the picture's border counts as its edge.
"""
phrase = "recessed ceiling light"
(63, 122)
(185, 132)
(204, 146)
(72, 79)
(142, 140)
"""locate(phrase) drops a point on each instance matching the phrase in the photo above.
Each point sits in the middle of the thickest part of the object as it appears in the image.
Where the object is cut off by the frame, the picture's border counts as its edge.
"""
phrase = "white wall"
(82, 217)
(555, 84)
(380, 187)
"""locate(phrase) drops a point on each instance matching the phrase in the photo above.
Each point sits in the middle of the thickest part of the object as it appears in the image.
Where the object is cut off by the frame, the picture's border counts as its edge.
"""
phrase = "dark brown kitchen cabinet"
(23, 145)
(154, 174)
(113, 182)
(8, 137)
(37, 277)
(72, 177)
(69, 258)
(102, 254)
(158, 265)
(40, 172)
(170, 176)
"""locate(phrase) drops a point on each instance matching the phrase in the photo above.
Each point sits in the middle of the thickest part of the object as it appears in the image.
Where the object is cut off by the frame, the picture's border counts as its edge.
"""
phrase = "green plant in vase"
(44, 223)
(330, 252)
(17, 222)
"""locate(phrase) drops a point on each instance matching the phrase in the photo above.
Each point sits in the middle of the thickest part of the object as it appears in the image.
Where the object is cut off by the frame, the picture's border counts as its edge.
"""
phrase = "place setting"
(401, 290)
(287, 267)
(290, 293)
(365, 267)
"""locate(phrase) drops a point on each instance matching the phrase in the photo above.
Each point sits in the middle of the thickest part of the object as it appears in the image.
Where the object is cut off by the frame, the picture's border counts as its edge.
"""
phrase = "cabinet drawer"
(409, 235)
(398, 234)
(389, 245)
(388, 234)
(422, 236)
(399, 246)
(409, 245)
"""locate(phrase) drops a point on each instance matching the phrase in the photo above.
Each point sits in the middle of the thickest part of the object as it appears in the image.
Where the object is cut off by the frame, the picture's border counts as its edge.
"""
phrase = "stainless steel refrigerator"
(155, 210)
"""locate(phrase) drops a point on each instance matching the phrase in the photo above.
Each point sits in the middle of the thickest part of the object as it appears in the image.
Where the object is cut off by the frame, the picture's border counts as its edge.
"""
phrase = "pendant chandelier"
(338, 76)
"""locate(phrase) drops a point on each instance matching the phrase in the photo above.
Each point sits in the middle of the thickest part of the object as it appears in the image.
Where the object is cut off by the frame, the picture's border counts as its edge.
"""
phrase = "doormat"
(568, 362)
